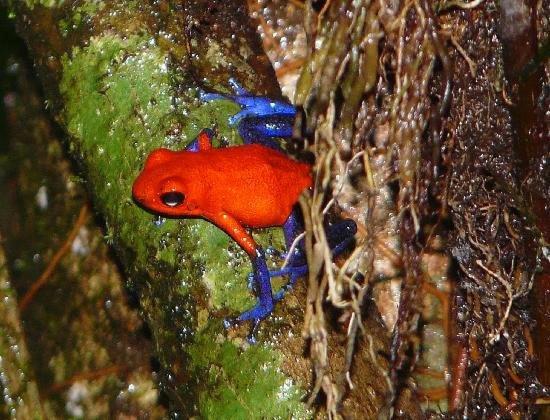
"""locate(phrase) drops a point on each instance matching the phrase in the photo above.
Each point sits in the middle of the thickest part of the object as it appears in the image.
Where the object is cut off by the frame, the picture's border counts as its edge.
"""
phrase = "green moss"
(119, 106)
(79, 14)
(242, 382)
(46, 3)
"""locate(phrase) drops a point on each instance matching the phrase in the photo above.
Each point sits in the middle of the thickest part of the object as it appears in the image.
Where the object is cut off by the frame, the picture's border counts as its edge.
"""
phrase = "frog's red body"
(249, 185)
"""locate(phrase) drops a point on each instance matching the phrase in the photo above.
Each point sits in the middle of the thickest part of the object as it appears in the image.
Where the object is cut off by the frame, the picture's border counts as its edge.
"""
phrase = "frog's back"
(257, 185)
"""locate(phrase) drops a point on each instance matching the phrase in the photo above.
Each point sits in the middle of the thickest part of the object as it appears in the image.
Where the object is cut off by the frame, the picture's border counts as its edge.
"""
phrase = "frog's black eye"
(172, 198)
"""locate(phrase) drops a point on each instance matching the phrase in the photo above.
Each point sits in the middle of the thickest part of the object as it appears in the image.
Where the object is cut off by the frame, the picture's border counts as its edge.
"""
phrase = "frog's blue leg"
(259, 107)
(265, 295)
(251, 105)
(260, 118)
(297, 265)
(263, 129)
(339, 236)
(259, 121)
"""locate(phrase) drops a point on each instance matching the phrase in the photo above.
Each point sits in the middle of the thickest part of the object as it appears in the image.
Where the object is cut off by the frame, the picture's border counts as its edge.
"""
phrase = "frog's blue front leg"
(251, 105)
(266, 303)
(340, 235)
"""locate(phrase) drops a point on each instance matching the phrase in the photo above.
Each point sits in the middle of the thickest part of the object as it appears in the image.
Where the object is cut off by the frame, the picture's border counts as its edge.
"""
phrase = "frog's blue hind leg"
(339, 236)
(262, 130)
(259, 121)
(260, 118)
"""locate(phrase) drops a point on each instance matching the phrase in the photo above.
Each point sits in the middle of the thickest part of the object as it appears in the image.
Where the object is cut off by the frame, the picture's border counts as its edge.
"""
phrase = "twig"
(458, 378)
(511, 298)
(497, 393)
(290, 66)
(464, 54)
(293, 246)
(434, 394)
(87, 376)
(46, 274)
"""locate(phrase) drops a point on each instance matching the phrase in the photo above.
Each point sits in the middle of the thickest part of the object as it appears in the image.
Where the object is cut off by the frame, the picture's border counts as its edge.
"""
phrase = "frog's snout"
(139, 198)
(138, 192)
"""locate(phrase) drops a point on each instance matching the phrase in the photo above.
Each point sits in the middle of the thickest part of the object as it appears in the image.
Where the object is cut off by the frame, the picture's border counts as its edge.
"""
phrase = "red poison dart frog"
(253, 185)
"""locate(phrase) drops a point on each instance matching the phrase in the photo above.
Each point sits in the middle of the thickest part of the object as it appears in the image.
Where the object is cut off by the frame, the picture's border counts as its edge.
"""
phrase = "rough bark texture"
(19, 390)
(414, 114)
(64, 299)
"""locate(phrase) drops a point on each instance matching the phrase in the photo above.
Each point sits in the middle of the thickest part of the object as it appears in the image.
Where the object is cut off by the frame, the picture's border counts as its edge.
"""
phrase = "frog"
(248, 186)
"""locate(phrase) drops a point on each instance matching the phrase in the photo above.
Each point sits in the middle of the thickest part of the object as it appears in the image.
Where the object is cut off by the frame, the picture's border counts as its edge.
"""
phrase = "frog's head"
(164, 188)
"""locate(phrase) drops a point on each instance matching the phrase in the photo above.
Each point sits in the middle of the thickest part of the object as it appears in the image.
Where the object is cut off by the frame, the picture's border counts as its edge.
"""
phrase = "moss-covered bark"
(122, 79)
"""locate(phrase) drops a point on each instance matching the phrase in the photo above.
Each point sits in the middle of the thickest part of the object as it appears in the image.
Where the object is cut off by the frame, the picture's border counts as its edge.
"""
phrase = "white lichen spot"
(214, 55)
(75, 396)
(81, 244)
(42, 198)
(285, 391)
(245, 51)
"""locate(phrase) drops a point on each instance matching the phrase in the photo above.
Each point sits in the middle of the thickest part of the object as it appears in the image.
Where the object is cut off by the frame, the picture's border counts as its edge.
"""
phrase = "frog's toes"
(237, 88)
(209, 97)
(256, 315)
(258, 312)
(251, 337)
(235, 119)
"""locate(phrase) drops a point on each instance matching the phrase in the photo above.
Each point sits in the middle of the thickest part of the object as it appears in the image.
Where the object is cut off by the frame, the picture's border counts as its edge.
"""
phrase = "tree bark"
(122, 79)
